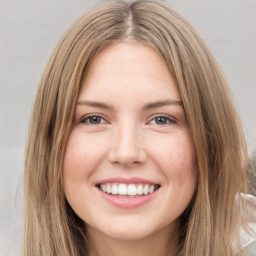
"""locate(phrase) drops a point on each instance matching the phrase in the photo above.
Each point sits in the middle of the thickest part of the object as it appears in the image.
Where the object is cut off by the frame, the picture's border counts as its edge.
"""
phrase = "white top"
(248, 240)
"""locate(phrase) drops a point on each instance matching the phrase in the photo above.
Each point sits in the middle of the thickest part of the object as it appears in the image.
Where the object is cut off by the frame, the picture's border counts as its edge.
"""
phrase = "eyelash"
(84, 120)
(167, 118)
(89, 118)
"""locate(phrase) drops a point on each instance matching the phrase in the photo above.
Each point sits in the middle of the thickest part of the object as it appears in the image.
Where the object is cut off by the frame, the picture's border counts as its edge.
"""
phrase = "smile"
(128, 190)
(127, 193)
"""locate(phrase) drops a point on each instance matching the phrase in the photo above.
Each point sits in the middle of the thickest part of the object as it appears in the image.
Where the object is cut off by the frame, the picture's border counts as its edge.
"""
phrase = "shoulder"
(251, 249)
(248, 239)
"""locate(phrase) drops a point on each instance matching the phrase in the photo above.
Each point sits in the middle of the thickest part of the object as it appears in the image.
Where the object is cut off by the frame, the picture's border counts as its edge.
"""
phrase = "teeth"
(128, 189)
(131, 190)
(151, 189)
(114, 190)
(103, 187)
(145, 190)
(140, 190)
(109, 188)
(122, 189)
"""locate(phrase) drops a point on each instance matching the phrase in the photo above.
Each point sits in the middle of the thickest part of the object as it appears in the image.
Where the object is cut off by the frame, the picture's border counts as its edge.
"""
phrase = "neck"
(161, 243)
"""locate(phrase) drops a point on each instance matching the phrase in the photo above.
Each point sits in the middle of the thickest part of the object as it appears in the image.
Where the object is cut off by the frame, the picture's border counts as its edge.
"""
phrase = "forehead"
(131, 71)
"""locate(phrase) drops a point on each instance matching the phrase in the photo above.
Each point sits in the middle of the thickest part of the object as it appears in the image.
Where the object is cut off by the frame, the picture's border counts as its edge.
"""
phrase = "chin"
(129, 234)
(131, 229)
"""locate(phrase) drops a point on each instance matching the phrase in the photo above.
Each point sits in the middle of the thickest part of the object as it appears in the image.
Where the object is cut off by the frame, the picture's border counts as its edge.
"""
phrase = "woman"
(134, 146)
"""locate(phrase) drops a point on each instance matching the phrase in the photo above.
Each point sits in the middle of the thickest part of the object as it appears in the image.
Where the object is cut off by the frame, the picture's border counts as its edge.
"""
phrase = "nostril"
(126, 148)
(127, 158)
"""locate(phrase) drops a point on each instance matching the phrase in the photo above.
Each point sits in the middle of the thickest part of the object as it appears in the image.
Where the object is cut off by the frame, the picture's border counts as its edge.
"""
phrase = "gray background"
(29, 31)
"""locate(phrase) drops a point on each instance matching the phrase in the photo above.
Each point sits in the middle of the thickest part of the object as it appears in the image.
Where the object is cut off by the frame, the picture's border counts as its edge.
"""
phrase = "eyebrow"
(146, 107)
(162, 103)
(95, 104)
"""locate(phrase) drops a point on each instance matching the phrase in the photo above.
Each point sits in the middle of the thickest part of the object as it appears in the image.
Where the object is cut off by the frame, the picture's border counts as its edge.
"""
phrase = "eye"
(162, 120)
(93, 120)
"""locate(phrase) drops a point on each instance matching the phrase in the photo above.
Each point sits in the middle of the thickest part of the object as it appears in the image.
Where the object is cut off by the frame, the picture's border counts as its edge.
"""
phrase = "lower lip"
(127, 203)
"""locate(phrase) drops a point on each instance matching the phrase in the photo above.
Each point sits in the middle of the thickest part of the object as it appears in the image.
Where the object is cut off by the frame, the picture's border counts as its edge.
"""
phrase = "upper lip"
(132, 180)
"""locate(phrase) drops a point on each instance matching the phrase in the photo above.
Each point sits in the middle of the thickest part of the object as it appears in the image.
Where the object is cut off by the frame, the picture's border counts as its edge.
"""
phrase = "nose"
(126, 147)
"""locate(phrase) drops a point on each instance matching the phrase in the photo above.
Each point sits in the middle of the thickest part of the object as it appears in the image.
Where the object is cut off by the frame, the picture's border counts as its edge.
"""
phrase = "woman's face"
(130, 164)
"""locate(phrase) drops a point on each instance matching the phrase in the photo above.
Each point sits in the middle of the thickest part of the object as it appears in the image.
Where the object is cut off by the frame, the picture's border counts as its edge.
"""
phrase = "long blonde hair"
(210, 226)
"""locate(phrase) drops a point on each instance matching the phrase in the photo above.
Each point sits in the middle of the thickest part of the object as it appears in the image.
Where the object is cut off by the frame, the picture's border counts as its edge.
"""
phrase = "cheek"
(82, 156)
(78, 165)
(176, 158)
(183, 160)
(182, 173)
(175, 153)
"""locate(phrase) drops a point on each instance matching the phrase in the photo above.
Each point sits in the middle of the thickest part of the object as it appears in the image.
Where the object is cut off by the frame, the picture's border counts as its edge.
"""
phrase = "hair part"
(211, 224)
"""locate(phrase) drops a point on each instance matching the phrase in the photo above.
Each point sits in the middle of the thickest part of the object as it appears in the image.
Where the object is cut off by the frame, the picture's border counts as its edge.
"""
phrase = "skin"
(127, 141)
